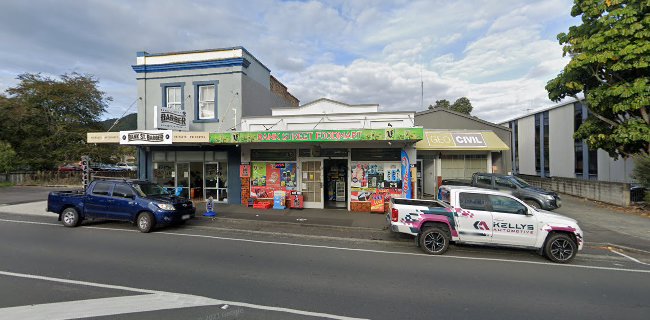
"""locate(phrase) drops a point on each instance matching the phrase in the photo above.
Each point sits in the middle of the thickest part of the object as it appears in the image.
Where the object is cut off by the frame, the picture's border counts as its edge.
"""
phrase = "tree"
(444, 103)
(7, 157)
(45, 120)
(610, 66)
(641, 172)
(462, 105)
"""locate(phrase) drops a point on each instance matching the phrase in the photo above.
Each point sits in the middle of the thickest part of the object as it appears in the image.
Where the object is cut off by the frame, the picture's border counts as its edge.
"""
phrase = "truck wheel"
(560, 248)
(70, 217)
(434, 240)
(533, 204)
(145, 222)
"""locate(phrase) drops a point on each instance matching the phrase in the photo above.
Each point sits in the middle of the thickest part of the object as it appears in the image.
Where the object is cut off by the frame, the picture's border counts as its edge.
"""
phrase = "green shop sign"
(388, 134)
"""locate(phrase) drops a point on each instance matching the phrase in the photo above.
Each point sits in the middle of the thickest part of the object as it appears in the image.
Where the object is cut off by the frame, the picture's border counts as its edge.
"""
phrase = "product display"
(268, 177)
(374, 180)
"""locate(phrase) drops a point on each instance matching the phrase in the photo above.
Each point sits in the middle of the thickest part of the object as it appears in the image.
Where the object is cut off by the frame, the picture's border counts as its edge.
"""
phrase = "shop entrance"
(335, 182)
(311, 181)
(196, 181)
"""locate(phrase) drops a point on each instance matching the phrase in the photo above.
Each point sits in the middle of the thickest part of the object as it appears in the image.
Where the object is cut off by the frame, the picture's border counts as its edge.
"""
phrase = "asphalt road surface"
(111, 271)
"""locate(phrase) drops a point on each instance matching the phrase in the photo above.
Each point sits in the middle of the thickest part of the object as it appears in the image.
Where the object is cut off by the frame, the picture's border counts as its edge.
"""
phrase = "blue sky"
(499, 54)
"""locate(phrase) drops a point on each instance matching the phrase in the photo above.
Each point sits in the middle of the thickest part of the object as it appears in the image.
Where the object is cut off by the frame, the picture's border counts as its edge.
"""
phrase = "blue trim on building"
(198, 84)
(164, 87)
(185, 76)
(142, 54)
(146, 54)
(234, 62)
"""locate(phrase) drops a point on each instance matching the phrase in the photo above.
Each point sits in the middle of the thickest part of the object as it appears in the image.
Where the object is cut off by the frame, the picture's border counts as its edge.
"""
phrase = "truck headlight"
(166, 206)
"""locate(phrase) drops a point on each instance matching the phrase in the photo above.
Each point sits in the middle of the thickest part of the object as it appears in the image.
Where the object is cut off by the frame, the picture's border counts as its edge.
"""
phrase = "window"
(484, 181)
(172, 95)
(546, 151)
(102, 188)
(122, 191)
(506, 205)
(174, 98)
(473, 201)
(514, 126)
(206, 102)
(504, 183)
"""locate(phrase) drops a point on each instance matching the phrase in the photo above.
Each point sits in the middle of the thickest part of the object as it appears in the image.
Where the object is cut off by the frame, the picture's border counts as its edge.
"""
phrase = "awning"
(350, 135)
(461, 140)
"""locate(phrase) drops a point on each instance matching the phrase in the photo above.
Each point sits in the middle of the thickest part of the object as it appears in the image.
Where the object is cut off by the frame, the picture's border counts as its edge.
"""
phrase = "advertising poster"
(245, 171)
(288, 176)
(358, 175)
(261, 192)
(406, 179)
(375, 175)
(362, 194)
(259, 174)
(273, 176)
(377, 202)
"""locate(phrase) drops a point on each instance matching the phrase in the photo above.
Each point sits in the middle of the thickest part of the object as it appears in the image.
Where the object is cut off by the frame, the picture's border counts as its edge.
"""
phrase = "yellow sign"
(182, 137)
(460, 140)
(103, 137)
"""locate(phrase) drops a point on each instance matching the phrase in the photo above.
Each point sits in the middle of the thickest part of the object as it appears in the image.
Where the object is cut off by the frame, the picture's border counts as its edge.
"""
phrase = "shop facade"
(364, 161)
(457, 145)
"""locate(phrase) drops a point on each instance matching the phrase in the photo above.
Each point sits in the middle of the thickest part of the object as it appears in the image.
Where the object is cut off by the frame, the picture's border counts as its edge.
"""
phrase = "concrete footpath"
(603, 225)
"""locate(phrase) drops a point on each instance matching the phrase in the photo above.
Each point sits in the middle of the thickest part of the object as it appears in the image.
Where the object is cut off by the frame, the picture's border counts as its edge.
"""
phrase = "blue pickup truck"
(144, 203)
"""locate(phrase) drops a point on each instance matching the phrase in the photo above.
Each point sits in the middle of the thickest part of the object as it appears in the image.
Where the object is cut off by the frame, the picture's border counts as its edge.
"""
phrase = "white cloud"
(497, 53)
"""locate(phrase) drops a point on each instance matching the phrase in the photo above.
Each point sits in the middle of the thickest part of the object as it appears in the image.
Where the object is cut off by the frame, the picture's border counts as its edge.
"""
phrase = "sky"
(498, 53)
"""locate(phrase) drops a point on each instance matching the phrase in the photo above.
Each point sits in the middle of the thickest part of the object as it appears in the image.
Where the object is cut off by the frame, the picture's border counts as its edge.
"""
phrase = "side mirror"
(524, 211)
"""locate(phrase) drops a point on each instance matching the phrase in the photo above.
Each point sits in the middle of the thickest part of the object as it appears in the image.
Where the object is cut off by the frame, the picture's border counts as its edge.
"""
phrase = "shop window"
(172, 95)
(164, 174)
(205, 101)
(268, 177)
(216, 180)
(370, 178)
(273, 155)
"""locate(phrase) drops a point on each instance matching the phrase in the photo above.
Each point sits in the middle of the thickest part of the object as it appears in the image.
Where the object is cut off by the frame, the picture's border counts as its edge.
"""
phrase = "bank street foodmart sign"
(388, 134)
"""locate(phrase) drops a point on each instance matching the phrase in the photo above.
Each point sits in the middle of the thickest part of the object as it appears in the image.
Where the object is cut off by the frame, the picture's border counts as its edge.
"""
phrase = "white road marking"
(626, 256)
(151, 300)
(355, 249)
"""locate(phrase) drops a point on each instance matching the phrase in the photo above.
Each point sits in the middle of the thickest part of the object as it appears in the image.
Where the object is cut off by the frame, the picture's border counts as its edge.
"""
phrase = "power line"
(125, 111)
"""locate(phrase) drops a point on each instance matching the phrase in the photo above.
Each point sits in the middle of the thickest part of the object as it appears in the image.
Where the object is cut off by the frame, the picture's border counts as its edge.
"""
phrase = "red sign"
(245, 171)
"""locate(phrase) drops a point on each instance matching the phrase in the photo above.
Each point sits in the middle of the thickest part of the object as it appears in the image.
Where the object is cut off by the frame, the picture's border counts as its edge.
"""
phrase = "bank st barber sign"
(139, 137)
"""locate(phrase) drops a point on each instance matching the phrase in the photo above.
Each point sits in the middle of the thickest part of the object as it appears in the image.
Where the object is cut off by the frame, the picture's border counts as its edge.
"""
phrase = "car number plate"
(185, 216)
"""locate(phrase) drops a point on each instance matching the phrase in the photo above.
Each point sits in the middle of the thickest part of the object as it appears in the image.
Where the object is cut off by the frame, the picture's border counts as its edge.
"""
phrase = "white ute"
(486, 217)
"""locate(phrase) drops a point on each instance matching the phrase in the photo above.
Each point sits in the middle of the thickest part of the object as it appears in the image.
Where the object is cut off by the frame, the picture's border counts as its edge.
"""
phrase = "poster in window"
(358, 175)
(245, 171)
(273, 176)
(288, 176)
(375, 175)
(259, 174)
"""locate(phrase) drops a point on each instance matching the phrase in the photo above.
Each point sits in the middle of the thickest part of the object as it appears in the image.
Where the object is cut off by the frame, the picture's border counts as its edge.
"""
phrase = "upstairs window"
(174, 98)
(206, 102)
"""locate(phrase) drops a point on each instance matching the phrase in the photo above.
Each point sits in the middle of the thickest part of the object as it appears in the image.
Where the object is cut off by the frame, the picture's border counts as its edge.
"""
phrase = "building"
(183, 96)
(456, 145)
(543, 145)
(337, 155)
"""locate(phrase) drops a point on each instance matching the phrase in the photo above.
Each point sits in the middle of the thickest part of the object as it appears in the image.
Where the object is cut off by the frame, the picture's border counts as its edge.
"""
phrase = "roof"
(470, 117)
(147, 54)
(559, 105)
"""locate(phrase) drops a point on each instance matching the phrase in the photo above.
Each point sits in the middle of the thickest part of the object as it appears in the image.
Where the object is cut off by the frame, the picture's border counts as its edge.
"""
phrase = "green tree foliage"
(7, 157)
(610, 66)
(45, 120)
(444, 103)
(462, 105)
(641, 172)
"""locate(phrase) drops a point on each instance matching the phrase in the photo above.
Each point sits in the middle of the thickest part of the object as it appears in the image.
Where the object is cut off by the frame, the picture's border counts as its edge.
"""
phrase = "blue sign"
(406, 175)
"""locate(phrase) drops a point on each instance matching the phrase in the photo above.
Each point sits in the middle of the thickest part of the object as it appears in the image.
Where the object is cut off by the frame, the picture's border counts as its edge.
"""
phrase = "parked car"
(485, 217)
(126, 166)
(146, 204)
(69, 168)
(535, 197)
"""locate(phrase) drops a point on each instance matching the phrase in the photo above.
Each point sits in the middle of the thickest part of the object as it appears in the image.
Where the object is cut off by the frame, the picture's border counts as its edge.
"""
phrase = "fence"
(617, 193)
(48, 178)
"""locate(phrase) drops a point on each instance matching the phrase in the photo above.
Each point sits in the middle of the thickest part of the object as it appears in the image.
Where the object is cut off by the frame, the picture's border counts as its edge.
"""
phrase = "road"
(194, 272)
